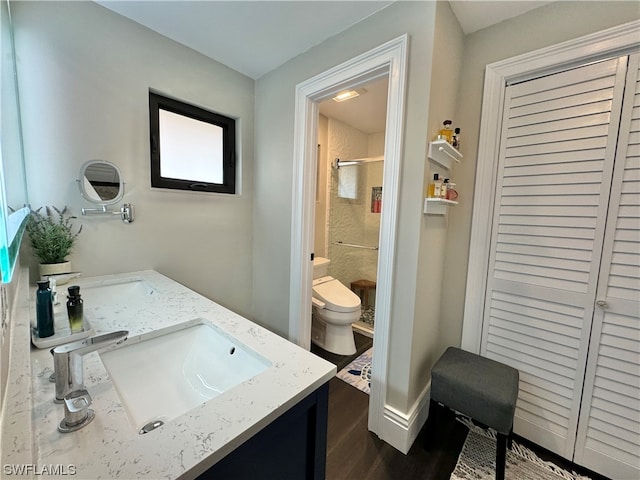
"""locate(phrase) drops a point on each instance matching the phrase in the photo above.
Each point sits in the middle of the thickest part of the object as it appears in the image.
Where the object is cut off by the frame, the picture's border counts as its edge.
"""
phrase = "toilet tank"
(320, 267)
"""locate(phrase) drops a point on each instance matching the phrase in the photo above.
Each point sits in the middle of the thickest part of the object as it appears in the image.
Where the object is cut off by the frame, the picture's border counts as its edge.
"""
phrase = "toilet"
(335, 308)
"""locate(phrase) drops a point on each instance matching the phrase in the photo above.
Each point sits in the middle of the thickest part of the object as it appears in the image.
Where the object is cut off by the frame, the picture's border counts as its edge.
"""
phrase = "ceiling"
(252, 37)
(474, 15)
(255, 37)
(366, 112)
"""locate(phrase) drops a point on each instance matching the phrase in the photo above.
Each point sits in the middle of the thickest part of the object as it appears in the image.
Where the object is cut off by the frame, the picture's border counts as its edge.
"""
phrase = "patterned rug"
(358, 372)
(478, 456)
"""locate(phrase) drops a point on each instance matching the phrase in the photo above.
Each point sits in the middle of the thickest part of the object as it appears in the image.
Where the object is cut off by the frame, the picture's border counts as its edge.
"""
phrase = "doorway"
(349, 192)
(388, 60)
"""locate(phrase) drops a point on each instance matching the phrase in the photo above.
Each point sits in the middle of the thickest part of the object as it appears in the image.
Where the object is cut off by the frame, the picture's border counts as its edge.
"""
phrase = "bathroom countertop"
(110, 447)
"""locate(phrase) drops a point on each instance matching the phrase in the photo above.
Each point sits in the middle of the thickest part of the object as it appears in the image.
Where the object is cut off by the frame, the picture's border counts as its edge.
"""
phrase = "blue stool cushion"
(478, 387)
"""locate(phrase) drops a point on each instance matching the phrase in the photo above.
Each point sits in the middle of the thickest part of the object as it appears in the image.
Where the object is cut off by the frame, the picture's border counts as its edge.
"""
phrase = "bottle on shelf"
(445, 189)
(44, 310)
(446, 132)
(435, 188)
(456, 138)
(451, 194)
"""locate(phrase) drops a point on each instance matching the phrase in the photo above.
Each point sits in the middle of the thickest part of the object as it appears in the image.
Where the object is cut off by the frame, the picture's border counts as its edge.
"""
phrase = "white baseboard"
(401, 429)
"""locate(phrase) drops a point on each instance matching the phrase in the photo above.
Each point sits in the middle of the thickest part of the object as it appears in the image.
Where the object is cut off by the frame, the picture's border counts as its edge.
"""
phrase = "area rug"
(358, 372)
(478, 457)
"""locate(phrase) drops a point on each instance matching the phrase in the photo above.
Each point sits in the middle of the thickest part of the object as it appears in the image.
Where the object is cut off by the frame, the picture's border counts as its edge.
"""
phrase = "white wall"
(546, 26)
(85, 73)
(445, 75)
(274, 135)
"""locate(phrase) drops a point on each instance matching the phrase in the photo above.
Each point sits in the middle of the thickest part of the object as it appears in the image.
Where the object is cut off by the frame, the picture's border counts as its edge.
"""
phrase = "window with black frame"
(191, 148)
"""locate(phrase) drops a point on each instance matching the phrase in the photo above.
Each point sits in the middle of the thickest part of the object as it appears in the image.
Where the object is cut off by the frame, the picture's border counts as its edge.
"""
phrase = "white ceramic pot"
(47, 269)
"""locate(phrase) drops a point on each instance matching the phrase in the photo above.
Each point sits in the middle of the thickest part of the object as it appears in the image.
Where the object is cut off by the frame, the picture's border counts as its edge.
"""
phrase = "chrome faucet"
(67, 361)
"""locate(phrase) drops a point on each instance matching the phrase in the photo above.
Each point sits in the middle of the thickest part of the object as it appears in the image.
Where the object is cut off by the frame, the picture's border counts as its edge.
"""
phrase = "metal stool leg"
(434, 417)
(501, 455)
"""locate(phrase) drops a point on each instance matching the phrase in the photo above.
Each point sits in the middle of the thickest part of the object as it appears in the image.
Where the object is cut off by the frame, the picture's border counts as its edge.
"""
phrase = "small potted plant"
(52, 237)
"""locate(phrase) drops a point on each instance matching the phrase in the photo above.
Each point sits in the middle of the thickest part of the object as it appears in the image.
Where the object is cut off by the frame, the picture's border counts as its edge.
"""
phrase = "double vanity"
(195, 390)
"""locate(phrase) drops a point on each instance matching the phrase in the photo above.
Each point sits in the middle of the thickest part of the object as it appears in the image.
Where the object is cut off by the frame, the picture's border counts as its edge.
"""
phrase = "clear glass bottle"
(44, 310)
(75, 309)
(444, 189)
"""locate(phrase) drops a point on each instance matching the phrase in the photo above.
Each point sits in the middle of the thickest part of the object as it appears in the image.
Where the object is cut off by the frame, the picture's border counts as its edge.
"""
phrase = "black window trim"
(228, 125)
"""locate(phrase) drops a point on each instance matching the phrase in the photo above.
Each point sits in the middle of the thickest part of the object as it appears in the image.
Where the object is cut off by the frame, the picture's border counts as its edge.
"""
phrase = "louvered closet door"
(609, 426)
(556, 161)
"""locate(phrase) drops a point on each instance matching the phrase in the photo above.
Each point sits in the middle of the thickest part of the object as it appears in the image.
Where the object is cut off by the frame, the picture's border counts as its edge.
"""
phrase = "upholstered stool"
(480, 388)
(362, 289)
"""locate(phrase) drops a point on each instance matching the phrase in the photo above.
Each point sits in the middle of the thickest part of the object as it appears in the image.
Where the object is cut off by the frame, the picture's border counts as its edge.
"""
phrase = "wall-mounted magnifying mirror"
(101, 182)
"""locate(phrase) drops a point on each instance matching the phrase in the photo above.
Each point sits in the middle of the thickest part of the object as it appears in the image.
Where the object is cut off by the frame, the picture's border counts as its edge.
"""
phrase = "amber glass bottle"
(446, 131)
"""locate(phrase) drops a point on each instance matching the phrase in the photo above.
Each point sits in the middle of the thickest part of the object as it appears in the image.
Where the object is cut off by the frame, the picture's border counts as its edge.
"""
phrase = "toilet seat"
(335, 295)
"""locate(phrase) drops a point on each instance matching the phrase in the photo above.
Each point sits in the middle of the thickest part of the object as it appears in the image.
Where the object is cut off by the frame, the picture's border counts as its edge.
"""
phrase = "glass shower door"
(354, 229)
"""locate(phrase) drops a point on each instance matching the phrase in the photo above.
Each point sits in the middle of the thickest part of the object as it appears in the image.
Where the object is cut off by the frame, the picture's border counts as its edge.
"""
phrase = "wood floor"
(354, 453)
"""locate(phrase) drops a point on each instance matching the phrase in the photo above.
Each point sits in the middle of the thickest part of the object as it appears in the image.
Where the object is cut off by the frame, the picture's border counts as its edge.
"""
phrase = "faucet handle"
(91, 344)
(77, 413)
(77, 401)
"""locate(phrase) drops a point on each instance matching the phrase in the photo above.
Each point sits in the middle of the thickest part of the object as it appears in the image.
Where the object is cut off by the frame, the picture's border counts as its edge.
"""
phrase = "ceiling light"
(348, 94)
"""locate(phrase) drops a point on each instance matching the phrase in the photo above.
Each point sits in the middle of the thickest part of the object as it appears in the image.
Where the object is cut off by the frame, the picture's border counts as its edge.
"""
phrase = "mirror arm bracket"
(95, 211)
(126, 212)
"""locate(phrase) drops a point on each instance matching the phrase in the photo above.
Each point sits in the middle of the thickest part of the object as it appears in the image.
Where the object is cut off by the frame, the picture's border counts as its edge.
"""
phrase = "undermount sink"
(168, 372)
(126, 291)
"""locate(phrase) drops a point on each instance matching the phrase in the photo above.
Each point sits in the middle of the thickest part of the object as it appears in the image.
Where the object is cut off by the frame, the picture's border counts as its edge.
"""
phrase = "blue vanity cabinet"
(294, 446)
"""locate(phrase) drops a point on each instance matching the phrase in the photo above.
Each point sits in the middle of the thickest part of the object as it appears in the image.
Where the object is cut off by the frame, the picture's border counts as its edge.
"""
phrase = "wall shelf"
(437, 206)
(441, 152)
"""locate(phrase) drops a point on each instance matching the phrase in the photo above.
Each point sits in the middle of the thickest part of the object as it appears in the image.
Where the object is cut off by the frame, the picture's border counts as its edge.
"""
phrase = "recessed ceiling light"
(348, 94)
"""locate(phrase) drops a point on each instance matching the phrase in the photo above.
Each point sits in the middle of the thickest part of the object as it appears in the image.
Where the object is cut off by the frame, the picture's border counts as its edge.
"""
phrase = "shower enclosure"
(355, 204)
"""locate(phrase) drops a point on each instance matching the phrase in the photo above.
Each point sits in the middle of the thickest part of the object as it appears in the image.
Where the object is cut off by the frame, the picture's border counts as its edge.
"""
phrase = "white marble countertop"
(110, 447)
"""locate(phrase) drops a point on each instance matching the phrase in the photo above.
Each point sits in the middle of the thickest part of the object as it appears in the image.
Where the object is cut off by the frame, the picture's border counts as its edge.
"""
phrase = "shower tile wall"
(351, 220)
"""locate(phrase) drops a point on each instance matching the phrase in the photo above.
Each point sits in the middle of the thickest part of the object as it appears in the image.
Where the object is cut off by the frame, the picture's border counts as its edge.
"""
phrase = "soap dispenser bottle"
(75, 309)
(44, 310)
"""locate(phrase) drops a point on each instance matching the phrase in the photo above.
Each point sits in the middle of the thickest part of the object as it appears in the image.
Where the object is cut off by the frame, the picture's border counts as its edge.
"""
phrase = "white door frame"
(607, 43)
(389, 59)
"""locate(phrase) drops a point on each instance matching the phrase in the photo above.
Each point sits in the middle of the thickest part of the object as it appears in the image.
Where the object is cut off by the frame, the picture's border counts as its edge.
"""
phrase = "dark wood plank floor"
(354, 453)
